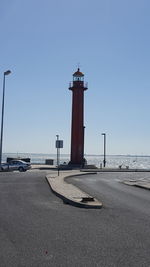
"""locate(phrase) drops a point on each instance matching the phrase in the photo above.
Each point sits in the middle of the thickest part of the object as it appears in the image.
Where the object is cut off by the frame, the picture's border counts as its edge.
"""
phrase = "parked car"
(13, 165)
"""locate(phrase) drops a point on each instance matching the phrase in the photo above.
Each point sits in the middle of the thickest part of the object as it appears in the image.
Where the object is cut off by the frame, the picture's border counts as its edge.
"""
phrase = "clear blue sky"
(42, 42)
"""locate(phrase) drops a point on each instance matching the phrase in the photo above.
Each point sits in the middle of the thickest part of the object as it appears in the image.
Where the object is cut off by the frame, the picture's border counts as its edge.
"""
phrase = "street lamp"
(2, 119)
(83, 159)
(104, 161)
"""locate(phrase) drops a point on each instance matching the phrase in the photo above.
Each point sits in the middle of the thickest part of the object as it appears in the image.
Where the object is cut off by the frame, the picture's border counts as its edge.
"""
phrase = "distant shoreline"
(65, 154)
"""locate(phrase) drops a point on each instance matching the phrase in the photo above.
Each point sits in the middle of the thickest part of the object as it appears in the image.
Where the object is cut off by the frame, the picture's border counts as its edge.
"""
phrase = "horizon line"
(97, 155)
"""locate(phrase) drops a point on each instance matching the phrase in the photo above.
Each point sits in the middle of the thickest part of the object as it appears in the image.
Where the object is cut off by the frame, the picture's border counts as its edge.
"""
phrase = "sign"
(59, 143)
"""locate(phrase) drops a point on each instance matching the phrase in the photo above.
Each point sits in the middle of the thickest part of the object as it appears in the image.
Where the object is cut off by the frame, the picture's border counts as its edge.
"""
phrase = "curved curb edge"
(72, 202)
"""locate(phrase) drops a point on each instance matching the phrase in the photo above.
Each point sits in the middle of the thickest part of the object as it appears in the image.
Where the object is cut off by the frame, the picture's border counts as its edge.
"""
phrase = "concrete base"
(75, 166)
(90, 167)
(78, 165)
(81, 166)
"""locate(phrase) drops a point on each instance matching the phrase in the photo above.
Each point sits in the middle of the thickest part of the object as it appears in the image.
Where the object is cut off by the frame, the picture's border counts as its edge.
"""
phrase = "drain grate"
(87, 199)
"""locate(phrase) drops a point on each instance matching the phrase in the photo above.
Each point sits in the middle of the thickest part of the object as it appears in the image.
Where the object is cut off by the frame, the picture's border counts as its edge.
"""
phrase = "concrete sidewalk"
(142, 183)
(70, 193)
(43, 167)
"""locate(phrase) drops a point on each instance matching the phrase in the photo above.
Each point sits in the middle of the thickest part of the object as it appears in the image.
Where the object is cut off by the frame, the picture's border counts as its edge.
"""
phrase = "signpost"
(59, 144)
(104, 161)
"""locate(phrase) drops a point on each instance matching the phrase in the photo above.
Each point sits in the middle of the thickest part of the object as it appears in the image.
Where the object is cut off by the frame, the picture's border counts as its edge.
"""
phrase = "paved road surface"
(125, 218)
(37, 229)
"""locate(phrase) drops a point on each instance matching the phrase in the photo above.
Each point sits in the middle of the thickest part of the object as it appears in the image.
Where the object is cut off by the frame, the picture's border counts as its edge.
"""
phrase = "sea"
(112, 161)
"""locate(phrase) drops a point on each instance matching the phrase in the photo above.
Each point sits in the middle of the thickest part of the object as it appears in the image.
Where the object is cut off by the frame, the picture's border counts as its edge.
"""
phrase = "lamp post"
(2, 119)
(58, 152)
(104, 161)
(83, 163)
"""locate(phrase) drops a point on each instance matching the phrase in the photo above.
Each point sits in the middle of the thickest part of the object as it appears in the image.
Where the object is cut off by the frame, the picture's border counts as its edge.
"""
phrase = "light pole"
(104, 161)
(83, 163)
(2, 119)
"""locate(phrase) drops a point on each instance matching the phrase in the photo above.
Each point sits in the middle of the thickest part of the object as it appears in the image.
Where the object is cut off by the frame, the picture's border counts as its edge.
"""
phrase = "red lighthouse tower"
(77, 131)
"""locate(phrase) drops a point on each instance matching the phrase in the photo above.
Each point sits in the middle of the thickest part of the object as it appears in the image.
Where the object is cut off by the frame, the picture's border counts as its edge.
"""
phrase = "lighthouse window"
(78, 78)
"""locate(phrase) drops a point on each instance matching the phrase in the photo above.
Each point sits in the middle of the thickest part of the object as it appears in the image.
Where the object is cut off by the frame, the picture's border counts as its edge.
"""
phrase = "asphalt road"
(125, 217)
(37, 229)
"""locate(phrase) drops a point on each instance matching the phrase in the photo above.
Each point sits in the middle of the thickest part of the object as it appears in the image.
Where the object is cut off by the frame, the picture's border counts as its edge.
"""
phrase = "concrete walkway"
(70, 193)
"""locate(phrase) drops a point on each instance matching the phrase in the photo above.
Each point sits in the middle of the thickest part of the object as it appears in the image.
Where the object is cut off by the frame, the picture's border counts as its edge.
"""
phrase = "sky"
(44, 41)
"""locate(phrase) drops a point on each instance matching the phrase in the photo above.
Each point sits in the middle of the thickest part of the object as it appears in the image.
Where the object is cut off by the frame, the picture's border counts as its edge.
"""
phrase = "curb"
(118, 170)
(143, 186)
(94, 204)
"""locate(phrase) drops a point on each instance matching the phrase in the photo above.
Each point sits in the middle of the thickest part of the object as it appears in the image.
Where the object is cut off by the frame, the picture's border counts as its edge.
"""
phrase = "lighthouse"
(77, 125)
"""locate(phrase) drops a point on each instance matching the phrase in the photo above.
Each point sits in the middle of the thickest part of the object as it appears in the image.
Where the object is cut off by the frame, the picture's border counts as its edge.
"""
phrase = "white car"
(13, 165)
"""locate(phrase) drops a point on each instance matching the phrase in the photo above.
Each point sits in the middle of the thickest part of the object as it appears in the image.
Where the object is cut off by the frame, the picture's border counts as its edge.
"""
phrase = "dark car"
(13, 165)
